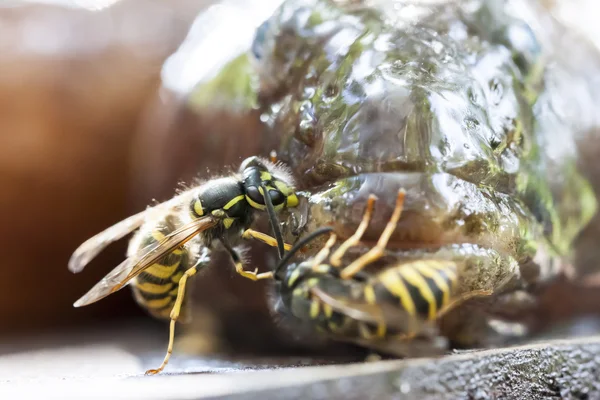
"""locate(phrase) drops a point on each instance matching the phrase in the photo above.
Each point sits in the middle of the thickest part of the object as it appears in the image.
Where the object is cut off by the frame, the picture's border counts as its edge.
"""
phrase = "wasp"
(174, 238)
(376, 310)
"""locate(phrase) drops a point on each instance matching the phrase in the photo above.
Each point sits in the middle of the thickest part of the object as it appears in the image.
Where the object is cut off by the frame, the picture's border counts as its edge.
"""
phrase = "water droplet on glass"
(405, 387)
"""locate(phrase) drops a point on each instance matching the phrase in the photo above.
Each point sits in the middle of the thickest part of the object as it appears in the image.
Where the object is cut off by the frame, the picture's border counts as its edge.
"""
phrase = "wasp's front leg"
(239, 265)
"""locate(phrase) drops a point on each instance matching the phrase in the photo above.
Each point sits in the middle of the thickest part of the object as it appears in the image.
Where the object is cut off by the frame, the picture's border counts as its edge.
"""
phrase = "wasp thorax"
(262, 178)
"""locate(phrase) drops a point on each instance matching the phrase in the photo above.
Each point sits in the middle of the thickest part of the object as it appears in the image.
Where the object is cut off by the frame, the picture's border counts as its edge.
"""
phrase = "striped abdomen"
(421, 288)
(155, 289)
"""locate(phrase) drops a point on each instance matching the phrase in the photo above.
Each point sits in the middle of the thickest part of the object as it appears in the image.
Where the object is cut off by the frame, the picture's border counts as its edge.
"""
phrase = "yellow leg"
(336, 257)
(252, 275)
(461, 299)
(324, 252)
(239, 266)
(379, 250)
(262, 237)
(174, 316)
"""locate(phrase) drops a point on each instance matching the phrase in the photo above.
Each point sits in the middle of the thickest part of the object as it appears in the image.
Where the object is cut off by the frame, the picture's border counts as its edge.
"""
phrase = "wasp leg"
(239, 266)
(379, 250)
(324, 252)
(336, 257)
(174, 316)
(461, 299)
(263, 237)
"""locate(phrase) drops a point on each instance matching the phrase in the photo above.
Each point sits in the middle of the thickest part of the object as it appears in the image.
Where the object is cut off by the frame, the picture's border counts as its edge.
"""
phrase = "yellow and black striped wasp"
(175, 238)
(379, 310)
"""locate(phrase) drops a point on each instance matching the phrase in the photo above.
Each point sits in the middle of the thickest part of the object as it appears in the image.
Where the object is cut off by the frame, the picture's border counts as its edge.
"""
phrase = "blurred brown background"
(69, 111)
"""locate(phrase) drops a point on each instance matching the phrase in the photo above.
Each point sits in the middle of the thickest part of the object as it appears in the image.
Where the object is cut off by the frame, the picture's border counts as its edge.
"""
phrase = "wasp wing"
(94, 245)
(134, 265)
(394, 317)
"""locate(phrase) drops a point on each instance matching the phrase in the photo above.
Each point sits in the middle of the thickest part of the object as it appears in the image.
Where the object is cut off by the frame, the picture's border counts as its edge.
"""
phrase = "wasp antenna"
(274, 222)
(300, 244)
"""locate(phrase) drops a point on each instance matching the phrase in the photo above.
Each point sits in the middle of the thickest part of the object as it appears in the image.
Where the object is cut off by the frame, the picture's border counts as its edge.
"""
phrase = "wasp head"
(261, 175)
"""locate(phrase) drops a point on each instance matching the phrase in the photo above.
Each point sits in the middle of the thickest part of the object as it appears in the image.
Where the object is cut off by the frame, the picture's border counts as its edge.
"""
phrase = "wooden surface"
(110, 364)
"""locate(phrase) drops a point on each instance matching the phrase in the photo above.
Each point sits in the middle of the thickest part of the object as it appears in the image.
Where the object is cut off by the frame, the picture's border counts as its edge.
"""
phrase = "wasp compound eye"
(277, 197)
(254, 194)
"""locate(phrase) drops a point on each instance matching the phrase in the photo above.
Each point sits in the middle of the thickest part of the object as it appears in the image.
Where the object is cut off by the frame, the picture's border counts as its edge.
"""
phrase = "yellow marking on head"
(254, 204)
(227, 222)
(292, 200)
(413, 277)
(176, 277)
(283, 188)
(198, 209)
(327, 310)
(392, 282)
(154, 288)
(162, 271)
(369, 294)
(293, 277)
(298, 292)
(265, 176)
(314, 309)
(261, 191)
(434, 274)
(332, 326)
(233, 202)
(158, 303)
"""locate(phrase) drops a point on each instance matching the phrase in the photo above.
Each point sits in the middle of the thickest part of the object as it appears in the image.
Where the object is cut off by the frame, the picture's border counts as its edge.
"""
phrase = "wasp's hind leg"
(336, 257)
(379, 250)
(239, 266)
(175, 313)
